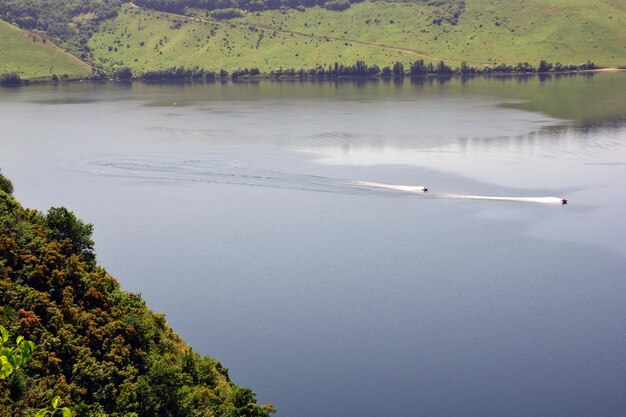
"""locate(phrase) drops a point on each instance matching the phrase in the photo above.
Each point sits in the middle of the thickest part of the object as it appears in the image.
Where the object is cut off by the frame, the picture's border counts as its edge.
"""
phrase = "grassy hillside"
(34, 58)
(148, 39)
(379, 32)
(488, 31)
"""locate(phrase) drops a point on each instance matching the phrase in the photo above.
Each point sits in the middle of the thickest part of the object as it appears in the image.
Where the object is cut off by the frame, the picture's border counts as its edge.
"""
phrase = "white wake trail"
(397, 187)
(219, 171)
(420, 189)
(540, 200)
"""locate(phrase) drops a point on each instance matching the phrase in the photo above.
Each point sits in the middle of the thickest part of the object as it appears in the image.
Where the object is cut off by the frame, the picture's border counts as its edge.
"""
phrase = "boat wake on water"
(406, 188)
(420, 189)
(539, 200)
(218, 171)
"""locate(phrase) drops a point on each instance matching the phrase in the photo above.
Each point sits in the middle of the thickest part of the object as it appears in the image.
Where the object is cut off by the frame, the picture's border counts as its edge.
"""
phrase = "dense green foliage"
(99, 348)
(69, 23)
(178, 74)
(5, 184)
(55, 409)
(228, 13)
(251, 5)
(10, 78)
(418, 68)
(12, 358)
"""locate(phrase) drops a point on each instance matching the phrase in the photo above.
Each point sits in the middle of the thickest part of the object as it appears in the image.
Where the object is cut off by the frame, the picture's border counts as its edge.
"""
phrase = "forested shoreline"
(358, 70)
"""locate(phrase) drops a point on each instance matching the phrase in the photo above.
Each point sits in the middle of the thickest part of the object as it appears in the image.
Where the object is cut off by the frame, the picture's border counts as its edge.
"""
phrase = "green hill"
(272, 34)
(32, 58)
(97, 347)
(378, 32)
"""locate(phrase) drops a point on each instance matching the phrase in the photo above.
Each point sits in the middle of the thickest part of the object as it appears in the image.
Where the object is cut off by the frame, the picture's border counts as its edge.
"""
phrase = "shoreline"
(306, 78)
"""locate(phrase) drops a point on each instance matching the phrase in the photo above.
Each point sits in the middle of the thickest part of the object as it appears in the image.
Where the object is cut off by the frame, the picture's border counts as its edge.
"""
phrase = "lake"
(274, 224)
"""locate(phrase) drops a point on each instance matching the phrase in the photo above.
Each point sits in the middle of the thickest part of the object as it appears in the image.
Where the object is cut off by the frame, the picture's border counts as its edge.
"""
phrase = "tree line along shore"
(359, 69)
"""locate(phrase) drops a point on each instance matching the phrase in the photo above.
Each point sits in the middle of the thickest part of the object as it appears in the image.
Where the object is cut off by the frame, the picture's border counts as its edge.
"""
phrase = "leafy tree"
(418, 68)
(10, 79)
(63, 224)
(544, 66)
(443, 69)
(337, 5)
(123, 73)
(224, 14)
(398, 69)
(5, 184)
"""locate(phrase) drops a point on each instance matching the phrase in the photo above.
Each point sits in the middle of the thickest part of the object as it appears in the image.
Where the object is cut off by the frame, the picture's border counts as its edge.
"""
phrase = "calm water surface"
(236, 209)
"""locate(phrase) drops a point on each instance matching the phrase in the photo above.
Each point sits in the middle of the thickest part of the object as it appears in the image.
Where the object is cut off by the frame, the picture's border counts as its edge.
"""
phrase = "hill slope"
(378, 32)
(33, 58)
(97, 347)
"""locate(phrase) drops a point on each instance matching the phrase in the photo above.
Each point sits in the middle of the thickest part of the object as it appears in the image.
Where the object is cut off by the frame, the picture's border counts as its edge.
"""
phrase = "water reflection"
(329, 298)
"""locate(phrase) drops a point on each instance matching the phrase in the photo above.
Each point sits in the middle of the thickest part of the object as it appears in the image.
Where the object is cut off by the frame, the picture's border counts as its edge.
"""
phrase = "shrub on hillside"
(5, 184)
(337, 5)
(10, 79)
(224, 14)
(123, 73)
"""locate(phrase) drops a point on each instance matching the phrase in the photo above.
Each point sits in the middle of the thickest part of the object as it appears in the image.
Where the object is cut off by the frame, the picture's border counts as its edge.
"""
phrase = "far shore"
(297, 78)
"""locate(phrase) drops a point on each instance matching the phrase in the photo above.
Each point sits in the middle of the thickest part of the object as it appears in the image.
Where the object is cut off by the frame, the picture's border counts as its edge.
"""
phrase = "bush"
(398, 69)
(225, 14)
(63, 224)
(337, 5)
(96, 75)
(5, 184)
(256, 6)
(544, 66)
(123, 73)
(10, 79)
(442, 68)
